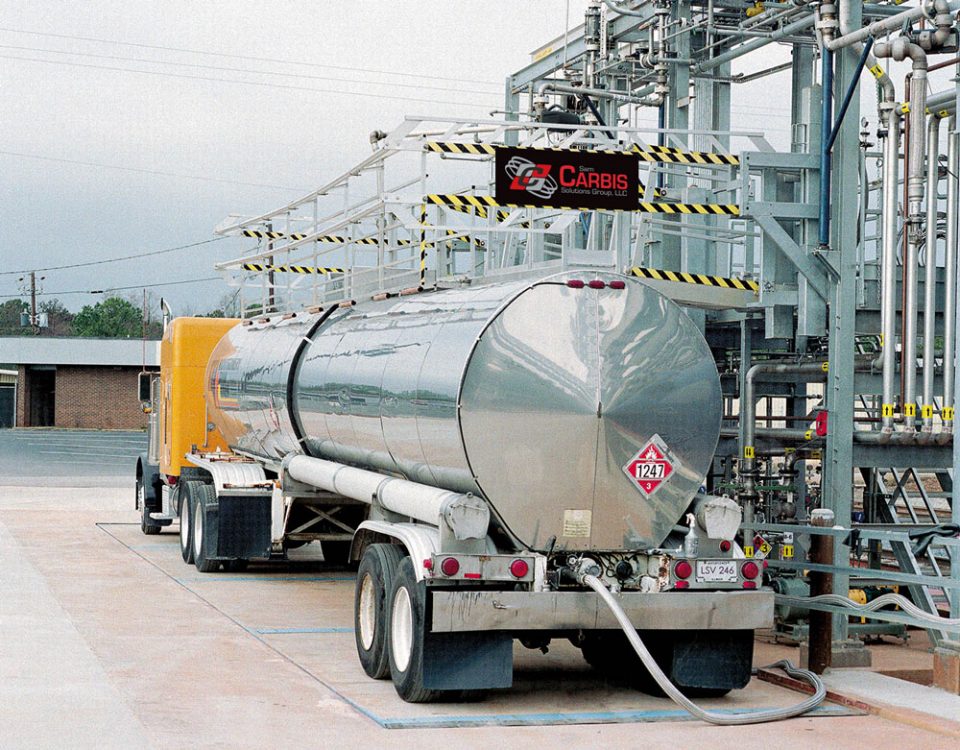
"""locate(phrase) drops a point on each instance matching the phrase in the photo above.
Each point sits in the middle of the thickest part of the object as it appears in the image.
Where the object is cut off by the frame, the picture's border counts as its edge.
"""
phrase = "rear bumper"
(462, 611)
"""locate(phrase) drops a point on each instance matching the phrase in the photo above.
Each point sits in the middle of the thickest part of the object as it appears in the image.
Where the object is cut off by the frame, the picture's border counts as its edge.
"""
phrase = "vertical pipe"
(888, 292)
(950, 272)
(930, 271)
(916, 179)
(661, 137)
(826, 89)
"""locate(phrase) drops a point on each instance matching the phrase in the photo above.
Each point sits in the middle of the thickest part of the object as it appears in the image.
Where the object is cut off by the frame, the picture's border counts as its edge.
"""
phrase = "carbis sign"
(575, 179)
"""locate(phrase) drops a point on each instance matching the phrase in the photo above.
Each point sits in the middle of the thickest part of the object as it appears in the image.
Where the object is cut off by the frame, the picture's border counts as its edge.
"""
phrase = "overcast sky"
(89, 106)
(208, 104)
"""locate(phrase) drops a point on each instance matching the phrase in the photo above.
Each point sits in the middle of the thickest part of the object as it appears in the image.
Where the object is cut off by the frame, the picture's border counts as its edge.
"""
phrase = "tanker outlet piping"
(756, 717)
(467, 516)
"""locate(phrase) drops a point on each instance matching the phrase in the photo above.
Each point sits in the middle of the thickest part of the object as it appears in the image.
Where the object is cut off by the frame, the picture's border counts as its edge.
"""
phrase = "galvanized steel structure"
(805, 261)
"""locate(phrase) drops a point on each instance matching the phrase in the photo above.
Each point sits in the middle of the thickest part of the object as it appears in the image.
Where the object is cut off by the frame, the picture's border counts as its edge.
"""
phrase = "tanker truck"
(486, 455)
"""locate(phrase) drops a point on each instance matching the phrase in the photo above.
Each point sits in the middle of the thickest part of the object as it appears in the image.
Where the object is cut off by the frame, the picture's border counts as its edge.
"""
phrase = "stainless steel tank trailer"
(508, 452)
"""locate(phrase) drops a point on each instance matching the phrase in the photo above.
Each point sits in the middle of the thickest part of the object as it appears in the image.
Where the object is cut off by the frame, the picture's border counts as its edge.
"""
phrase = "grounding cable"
(755, 717)
(881, 601)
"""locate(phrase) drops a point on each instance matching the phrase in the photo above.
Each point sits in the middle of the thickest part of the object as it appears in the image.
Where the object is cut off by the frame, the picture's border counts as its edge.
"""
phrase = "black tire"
(406, 626)
(186, 524)
(200, 495)
(147, 526)
(374, 579)
(236, 565)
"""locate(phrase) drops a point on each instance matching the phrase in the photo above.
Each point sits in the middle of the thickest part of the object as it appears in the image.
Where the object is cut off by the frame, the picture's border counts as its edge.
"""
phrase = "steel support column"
(838, 457)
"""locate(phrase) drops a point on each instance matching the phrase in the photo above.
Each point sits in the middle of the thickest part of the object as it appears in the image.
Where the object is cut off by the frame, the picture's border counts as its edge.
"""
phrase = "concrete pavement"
(108, 640)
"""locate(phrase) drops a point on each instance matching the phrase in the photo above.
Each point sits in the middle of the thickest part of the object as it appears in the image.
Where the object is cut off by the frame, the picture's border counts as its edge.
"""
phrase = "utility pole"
(34, 321)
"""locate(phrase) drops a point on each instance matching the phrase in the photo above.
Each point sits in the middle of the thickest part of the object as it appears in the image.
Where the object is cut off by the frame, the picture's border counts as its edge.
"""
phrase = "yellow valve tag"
(926, 411)
(748, 551)
(887, 410)
(881, 340)
(943, 113)
(749, 452)
(786, 551)
(808, 435)
(825, 367)
(910, 410)
(876, 70)
(905, 108)
(947, 413)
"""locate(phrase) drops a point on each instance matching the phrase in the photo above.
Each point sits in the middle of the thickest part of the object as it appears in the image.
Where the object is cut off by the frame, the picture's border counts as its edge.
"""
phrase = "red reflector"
(428, 564)
(749, 584)
(519, 568)
(682, 584)
(450, 566)
(575, 284)
(765, 564)
(597, 284)
(471, 575)
(750, 570)
(682, 569)
(617, 285)
(725, 546)
(171, 481)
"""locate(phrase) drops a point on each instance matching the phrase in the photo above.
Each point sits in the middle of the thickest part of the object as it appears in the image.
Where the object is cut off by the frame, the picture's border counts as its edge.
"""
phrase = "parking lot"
(108, 640)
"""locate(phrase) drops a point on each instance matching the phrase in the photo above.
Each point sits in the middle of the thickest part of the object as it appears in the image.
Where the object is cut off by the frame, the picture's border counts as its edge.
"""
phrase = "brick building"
(77, 382)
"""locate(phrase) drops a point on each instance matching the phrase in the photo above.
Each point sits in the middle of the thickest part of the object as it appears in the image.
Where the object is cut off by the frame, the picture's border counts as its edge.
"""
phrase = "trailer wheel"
(147, 526)
(406, 616)
(186, 524)
(374, 582)
(199, 494)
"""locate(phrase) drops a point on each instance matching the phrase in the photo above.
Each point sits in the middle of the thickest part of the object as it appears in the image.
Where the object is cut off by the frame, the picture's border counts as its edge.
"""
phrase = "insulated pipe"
(930, 272)
(826, 121)
(888, 290)
(950, 272)
(466, 515)
(893, 23)
(900, 49)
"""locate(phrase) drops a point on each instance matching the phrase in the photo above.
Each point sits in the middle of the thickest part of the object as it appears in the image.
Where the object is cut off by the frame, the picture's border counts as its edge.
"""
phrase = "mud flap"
(471, 660)
(712, 659)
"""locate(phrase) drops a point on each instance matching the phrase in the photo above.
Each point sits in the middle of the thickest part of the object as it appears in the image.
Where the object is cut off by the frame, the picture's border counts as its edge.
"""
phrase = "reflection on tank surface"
(533, 395)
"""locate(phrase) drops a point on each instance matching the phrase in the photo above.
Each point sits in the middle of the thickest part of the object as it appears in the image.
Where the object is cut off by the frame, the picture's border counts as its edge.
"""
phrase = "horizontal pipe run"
(466, 515)
(885, 26)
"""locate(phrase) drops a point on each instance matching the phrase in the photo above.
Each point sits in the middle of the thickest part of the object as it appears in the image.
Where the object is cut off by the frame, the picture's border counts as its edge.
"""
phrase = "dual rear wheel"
(389, 621)
(193, 545)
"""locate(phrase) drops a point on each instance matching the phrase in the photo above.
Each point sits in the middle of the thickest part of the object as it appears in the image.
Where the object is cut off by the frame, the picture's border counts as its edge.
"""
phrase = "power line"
(115, 288)
(114, 260)
(244, 57)
(152, 171)
(243, 70)
(243, 83)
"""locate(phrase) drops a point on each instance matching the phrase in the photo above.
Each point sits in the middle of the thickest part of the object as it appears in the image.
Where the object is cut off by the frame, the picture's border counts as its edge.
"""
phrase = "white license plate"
(717, 571)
